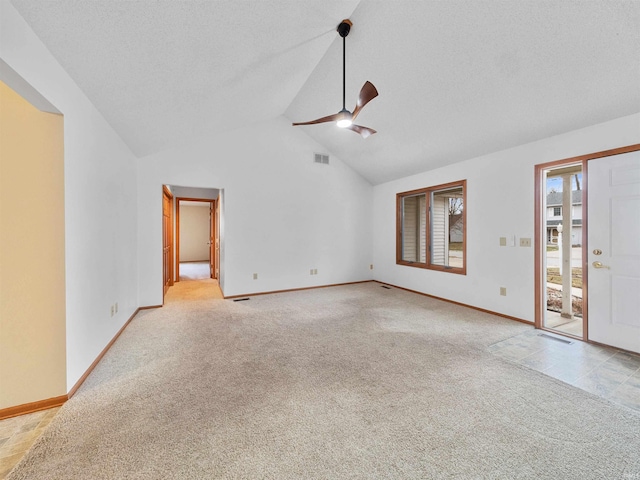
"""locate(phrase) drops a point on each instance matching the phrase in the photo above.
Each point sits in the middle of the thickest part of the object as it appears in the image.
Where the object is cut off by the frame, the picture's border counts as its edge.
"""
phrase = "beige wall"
(194, 233)
(32, 265)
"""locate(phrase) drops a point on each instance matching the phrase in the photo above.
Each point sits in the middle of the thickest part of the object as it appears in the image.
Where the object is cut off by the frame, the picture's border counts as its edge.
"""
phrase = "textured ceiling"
(457, 79)
(461, 79)
(163, 72)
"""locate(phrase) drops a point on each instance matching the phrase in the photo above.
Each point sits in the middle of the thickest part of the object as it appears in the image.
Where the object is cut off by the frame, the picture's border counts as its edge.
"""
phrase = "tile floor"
(17, 434)
(604, 371)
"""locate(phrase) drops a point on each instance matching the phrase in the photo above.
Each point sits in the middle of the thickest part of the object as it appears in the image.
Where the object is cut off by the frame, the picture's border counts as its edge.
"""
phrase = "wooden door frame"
(538, 222)
(216, 238)
(212, 204)
(166, 193)
(213, 247)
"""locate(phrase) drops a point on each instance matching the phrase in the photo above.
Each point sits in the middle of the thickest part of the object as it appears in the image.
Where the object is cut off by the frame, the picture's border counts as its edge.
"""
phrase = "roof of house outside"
(555, 198)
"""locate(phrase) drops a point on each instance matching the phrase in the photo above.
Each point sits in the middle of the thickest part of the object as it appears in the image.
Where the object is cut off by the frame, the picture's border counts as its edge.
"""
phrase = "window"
(431, 228)
(557, 211)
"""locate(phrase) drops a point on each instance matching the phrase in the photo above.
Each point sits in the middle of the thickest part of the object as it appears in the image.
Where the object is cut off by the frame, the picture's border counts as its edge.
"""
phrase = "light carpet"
(344, 382)
(187, 290)
(194, 270)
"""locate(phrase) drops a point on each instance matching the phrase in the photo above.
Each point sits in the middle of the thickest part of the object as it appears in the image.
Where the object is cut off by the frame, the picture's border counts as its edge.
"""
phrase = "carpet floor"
(344, 382)
(194, 270)
(188, 290)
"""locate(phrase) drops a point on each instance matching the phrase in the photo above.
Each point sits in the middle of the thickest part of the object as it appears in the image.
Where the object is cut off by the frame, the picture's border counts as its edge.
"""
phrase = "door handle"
(600, 265)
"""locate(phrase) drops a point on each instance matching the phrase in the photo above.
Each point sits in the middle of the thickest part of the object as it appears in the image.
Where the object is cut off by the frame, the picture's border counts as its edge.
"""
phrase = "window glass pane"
(447, 228)
(414, 217)
(431, 228)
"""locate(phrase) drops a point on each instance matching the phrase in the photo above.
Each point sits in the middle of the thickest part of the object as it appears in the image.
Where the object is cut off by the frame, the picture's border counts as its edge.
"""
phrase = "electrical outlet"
(116, 307)
(503, 241)
(311, 272)
(371, 267)
(503, 291)
(525, 242)
(315, 271)
(255, 276)
(112, 310)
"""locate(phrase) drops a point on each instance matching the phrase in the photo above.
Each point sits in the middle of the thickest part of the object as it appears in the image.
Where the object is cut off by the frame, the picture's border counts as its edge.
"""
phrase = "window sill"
(437, 268)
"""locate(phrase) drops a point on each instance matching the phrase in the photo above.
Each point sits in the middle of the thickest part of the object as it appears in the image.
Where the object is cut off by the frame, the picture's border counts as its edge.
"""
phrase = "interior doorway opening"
(196, 231)
(561, 235)
(33, 308)
(197, 239)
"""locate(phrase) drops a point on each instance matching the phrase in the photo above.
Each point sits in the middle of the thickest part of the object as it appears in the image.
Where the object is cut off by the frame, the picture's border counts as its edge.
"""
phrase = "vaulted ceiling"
(457, 79)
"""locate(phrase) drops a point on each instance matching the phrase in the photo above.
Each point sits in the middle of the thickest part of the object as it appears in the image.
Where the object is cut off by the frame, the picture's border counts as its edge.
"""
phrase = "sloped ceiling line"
(457, 80)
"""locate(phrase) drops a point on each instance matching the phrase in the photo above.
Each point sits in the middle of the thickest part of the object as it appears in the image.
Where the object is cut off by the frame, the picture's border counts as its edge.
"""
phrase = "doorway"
(33, 312)
(561, 229)
(192, 223)
(588, 247)
(197, 239)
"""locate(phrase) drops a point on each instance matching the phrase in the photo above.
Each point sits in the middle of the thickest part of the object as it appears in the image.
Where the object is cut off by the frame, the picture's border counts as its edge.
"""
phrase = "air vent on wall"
(320, 158)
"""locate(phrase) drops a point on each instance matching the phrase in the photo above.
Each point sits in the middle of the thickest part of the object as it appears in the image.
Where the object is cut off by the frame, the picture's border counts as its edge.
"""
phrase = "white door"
(614, 250)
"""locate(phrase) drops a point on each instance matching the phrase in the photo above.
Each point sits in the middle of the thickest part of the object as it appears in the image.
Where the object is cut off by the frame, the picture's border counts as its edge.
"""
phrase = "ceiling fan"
(344, 118)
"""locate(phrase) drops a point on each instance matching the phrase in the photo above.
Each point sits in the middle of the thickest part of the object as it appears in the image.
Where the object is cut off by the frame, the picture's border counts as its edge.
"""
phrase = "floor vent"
(320, 158)
(241, 299)
(568, 342)
(384, 286)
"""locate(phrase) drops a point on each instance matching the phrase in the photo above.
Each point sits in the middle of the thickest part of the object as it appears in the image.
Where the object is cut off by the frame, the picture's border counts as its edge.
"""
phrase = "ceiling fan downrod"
(343, 30)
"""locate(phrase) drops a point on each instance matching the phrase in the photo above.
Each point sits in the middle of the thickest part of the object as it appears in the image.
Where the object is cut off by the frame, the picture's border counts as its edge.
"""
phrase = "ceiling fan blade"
(363, 131)
(330, 118)
(367, 93)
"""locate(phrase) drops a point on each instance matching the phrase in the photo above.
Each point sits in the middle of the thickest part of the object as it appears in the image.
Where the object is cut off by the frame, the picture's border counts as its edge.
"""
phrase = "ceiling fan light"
(344, 119)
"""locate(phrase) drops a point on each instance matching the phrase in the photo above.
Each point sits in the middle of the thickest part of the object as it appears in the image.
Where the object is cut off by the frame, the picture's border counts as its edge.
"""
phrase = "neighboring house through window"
(554, 217)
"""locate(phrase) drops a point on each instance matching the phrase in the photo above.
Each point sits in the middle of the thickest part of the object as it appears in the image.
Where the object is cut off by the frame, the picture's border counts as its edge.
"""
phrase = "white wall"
(504, 179)
(194, 232)
(100, 191)
(283, 214)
